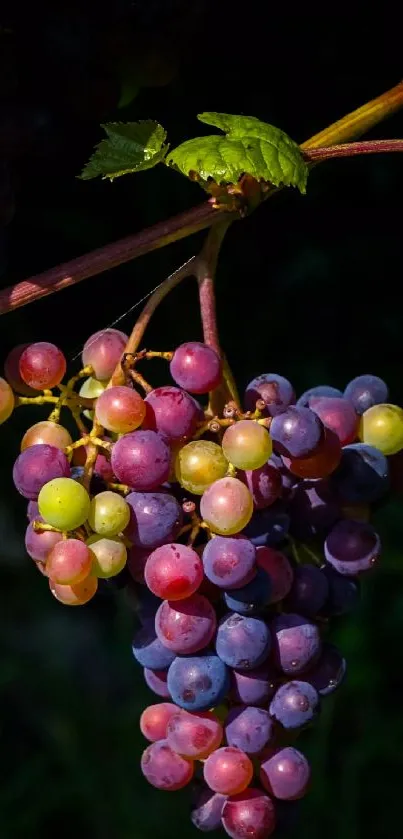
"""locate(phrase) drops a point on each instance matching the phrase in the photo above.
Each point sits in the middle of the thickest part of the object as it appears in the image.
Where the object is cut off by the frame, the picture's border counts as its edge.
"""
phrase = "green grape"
(109, 514)
(382, 426)
(91, 388)
(227, 506)
(64, 503)
(247, 445)
(6, 401)
(199, 464)
(110, 555)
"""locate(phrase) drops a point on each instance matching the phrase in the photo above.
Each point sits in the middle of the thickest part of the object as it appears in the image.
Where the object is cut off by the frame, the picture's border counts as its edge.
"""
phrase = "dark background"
(307, 286)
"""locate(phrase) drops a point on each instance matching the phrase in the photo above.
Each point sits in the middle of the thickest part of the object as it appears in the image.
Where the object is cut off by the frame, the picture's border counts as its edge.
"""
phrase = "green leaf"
(249, 147)
(129, 147)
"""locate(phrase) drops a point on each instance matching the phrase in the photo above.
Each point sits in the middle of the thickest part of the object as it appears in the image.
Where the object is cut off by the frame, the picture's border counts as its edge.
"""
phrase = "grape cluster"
(239, 537)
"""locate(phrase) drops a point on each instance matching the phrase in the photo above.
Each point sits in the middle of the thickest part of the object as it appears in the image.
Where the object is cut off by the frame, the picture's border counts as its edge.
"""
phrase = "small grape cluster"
(238, 536)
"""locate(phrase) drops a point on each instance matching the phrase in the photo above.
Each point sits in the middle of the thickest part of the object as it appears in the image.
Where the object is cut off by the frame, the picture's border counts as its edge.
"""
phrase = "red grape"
(172, 412)
(120, 409)
(42, 366)
(155, 719)
(141, 460)
(196, 367)
(249, 815)
(194, 735)
(103, 350)
(186, 626)
(69, 562)
(173, 572)
(228, 770)
(50, 433)
(339, 415)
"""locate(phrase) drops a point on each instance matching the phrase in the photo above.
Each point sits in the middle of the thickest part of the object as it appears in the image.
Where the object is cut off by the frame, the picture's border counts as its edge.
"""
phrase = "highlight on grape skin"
(42, 366)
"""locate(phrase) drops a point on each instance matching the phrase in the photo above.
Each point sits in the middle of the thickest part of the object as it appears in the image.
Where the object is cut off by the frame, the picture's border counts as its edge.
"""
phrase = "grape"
(173, 572)
(172, 412)
(352, 547)
(32, 510)
(322, 462)
(196, 367)
(207, 809)
(227, 506)
(337, 414)
(197, 683)
(103, 351)
(69, 562)
(42, 366)
(251, 598)
(296, 432)
(109, 514)
(249, 729)
(77, 594)
(47, 433)
(362, 476)
(288, 480)
(136, 561)
(36, 466)
(318, 390)
(164, 769)
(12, 371)
(242, 642)
(264, 484)
(344, 592)
(39, 544)
(229, 562)
(269, 526)
(296, 643)
(247, 445)
(278, 568)
(155, 518)
(63, 502)
(294, 704)
(382, 426)
(313, 509)
(141, 460)
(199, 464)
(110, 555)
(7, 401)
(228, 771)
(276, 392)
(91, 388)
(186, 626)
(249, 814)
(120, 409)
(194, 735)
(286, 774)
(149, 651)
(254, 687)
(155, 719)
(329, 672)
(365, 391)
(156, 680)
(309, 591)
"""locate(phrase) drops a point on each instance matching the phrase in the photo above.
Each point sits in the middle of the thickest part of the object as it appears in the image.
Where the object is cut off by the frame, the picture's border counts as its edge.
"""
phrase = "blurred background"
(307, 287)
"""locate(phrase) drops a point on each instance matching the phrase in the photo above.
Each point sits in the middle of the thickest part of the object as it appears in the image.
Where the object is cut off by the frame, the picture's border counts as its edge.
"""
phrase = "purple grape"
(288, 480)
(33, 510)
(344, 592)
(255, 687)
(329, 672)
(196, 367)
(313, 509)
(286, 774)
(366, 391)
(276, 391)
(352, 547)
(141, 459)
(309, 591)
(249, 815)
(253, 597)
(172, 412)
(229, 561)
(39, 544)
(156, 680)
(362, 476)
(36, 466)
(319, 390)
(294, 704)
(264, 484)
(207, 809)
(199, 682)
(155, 518)
(186, 626)
(243, 642)
(296, 643)
(149, 651)
(269, 526)
(249, 729)
(296, 432)
(278, 568)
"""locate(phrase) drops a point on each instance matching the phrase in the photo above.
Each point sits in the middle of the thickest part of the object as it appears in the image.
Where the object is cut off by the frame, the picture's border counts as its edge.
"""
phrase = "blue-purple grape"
(155, 518)
(149, 651)
(198, 682)
(309, 591)
(294, 704)
(156, 680)
(352, 547)
(285, 774)
(249, 728)
(252, 598)
(344, 592)
(366, 391)
(296, 643)
(142, 460)
(229, 561)
(243, 642)
(276, 392)
(318, 390)
(362, 475)
(329, 672)
(269, 526)
(296, 432)
(313, 509)
(264, 484)
(207, 809)
(253, 687)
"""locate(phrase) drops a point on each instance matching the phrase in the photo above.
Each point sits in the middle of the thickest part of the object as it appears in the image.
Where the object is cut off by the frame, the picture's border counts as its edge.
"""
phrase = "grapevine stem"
(352, 149)
(205, 272)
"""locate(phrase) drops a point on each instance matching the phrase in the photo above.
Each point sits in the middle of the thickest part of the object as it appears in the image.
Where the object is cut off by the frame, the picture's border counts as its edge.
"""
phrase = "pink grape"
(285, 774)
(186, 626)
(338, 414)
(228, 771)
(141, 459)
(194, 735)
(12, 371)
(173, 572)
(69, 562)
(48, 433)
(77, 594)
(164, 769)
(39, 544)
(249, 815)
(156, 680)
(103, 350)
(120, 409)
(172, 412)
(279, 569)
(264, 484)
(7, 401)
(227, 506)
(155, 719)
(36, 466)
(196, 367)
(42, 366)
